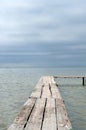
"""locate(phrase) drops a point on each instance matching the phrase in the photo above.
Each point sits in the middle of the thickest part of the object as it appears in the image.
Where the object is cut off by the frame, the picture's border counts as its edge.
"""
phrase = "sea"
(17, 83)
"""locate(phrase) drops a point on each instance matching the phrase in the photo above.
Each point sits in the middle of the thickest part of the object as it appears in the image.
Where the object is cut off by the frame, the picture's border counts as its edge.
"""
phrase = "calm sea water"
(16, 85)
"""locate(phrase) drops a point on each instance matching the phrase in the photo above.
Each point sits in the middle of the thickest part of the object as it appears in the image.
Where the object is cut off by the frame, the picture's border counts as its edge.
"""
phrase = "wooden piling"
(83, 81)
(44, 109)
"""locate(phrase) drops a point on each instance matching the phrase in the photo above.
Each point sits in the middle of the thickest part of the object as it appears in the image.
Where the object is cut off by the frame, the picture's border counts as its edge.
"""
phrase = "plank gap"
(50, 89)
(41, 91)
(29, 115)
(56, 115)
(43, 114)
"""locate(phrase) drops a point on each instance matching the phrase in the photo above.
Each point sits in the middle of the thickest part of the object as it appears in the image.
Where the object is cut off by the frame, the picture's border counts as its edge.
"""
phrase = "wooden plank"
(46, 89)
(69, 76)
(52, 80)
(42, 89)
(46, 92)
(62, 117)
(38, 89)
(22, 118)
(55, 91)
(46, 80)
(35, 120)
(49, 122)
(37, 92)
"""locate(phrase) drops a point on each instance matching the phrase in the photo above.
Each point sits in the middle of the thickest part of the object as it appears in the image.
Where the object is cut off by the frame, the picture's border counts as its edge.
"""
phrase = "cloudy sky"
(49, 32)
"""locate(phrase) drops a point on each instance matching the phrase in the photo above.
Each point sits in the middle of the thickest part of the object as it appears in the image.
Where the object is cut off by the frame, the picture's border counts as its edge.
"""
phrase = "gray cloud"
(53, 30)
(48, 20)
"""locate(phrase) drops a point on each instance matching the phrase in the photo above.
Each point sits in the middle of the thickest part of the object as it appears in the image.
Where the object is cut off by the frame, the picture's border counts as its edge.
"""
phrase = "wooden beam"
(69, 76)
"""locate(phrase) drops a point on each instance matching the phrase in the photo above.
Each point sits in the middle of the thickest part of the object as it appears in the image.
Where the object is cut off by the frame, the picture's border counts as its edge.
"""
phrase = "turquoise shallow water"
(16, 85)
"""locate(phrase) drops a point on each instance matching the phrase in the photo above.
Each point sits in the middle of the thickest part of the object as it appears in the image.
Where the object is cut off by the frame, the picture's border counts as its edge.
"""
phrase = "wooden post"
(83, 81)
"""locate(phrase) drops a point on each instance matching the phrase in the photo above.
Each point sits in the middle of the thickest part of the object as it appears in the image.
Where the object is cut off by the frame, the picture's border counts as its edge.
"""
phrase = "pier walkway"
(44, 110)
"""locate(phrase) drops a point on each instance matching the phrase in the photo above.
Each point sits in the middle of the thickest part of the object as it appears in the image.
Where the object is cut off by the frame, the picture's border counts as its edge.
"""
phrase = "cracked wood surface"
(44, 109)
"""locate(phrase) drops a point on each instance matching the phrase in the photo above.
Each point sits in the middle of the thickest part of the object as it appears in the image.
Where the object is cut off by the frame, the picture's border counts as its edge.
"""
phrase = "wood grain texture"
(50, 118)
(62, 117)
(35, 120)
(22, 117)
(44, 109)
(38, 89)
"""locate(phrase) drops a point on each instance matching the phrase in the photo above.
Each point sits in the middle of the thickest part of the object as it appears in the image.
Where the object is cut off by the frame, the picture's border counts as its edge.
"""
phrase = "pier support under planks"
(83, 81)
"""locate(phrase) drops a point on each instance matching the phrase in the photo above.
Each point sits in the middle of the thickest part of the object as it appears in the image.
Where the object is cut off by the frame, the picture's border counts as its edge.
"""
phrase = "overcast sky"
(55, 30)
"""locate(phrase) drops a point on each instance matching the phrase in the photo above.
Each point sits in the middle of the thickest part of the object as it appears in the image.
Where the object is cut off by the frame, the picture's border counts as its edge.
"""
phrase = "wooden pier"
(44, 110)
(82, 77)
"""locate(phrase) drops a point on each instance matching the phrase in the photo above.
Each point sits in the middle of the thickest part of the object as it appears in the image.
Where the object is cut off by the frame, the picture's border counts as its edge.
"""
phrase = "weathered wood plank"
(35, 120)
(46, 79)
(46, 92)
(38, 89)
(22, 118)
(55, 91)
(53, 80)
(50, 117)
(42, 89)
(46, 89)
(62, 117)
(39, 113)
(37, 92)
(69, 76)
(54, 88)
